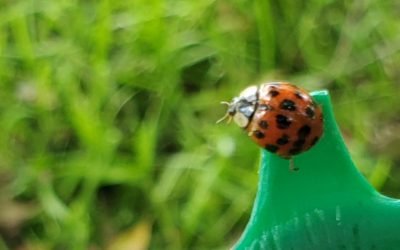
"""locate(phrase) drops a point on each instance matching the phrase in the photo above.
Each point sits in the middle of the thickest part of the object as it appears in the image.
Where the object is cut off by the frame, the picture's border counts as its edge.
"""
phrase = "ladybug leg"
(292, 167)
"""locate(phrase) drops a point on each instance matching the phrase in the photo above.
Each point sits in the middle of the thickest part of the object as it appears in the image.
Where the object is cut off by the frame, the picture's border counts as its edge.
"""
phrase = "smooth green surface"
(327, 204)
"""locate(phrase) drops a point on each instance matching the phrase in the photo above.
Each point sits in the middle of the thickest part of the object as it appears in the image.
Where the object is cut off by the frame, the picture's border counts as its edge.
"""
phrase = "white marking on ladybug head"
(249, 93)
(241, 119)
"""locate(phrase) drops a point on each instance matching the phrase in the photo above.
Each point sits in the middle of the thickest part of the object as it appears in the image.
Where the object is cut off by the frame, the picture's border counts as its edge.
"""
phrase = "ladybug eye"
(241, 120)
(247, 109)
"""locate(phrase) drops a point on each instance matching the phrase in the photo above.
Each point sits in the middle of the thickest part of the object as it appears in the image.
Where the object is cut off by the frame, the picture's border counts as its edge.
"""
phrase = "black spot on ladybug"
(304, 131)
(258, 134)
(273, 93)
(299, 95)
(284, 139)
(263, 124)
(271, 148)
(310, 112)
(288, 105)
(283, 121)
(294, 151)
(299, 143)
(314, 140)
(264, 107)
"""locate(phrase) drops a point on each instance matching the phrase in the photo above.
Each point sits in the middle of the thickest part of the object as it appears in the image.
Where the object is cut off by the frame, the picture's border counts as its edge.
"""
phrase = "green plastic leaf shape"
(327, 204)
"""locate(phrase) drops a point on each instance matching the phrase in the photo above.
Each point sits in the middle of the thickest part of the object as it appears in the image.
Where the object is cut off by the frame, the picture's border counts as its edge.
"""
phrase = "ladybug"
(278, 116)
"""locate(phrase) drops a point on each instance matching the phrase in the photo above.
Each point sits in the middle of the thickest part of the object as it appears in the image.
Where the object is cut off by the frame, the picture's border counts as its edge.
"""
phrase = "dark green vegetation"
(108, 111)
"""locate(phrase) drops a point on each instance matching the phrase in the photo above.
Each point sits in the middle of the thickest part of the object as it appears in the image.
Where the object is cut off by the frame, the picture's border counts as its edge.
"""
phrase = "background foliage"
(108, 110)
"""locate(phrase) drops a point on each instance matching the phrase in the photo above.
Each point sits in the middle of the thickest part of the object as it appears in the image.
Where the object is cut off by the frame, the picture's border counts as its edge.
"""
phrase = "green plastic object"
(326, 204)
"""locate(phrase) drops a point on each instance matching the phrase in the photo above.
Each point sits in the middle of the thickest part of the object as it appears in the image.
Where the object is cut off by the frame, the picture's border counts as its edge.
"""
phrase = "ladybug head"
(242, 108)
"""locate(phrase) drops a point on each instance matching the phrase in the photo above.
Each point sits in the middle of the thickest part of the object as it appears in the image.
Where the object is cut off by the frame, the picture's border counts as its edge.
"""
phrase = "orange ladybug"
(278, 116)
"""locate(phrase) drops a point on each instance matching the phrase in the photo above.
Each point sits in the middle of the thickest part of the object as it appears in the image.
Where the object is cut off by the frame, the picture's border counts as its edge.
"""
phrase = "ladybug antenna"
(227, 115)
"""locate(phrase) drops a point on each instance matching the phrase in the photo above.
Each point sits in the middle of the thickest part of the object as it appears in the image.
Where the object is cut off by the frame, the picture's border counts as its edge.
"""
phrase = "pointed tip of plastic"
(320, 92)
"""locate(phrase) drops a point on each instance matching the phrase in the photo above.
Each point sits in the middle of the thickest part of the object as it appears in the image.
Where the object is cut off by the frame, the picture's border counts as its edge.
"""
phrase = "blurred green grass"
(108, 111)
